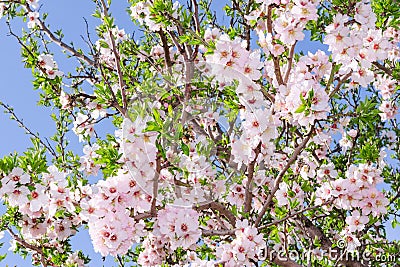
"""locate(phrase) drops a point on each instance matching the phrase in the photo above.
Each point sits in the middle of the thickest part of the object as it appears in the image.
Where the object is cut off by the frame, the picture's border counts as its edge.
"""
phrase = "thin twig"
(250, 174)
(60, 43)
(294, 215)
(28, 131)
(382, 67)
(117, 61)
(29, 246)
(339, 84)
(278, 179)
(290, 63)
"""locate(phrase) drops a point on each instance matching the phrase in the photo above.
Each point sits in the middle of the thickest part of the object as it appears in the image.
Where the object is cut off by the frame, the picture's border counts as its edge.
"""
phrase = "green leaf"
(152, 127)
(156, 116)
(301, 108)
(185, 149)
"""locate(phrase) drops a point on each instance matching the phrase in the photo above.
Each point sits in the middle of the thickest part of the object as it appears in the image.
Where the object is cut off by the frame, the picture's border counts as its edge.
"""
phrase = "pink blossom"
(356, 222)
(388, 110)
(33, 19)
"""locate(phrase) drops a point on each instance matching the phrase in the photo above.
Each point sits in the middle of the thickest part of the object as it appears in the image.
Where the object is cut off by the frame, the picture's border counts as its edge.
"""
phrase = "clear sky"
(17, 91)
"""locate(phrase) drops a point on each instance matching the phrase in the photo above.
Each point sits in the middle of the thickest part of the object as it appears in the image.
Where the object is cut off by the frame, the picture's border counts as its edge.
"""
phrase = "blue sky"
(16, 89)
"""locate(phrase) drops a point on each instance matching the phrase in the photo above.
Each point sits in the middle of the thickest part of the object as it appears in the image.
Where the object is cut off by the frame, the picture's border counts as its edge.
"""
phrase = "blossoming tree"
(228, 147)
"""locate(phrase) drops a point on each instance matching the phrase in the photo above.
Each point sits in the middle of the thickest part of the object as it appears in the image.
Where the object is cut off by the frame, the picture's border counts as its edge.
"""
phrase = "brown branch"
(383, 68)
(339, 84)
(142, 216)
(216, 206)
(167, 55)
(117, 61)
(285, 262)
(231, 232)
(247, 25)
(268, 95)
(29, 246)
(176, 43)
(293, 215)
(153, 209)
(278, 179)
(60, 43)
(182, 29)
(196, 16)
(21, 124)
(277, 67)
(250, 175)
(315, 156)
(269, 19)
(316, 233)
(197, 27)
(290, 62)
(114, 103)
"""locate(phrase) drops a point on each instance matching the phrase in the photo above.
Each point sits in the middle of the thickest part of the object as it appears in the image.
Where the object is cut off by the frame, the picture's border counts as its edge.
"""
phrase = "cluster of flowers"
(289, 25)
(303, 99)
(175, 227)
(236, 195)
(194, 171)
(49, 66)
(232, 61)
(74, 260)
(231, 58)
(108, 212)
(141, 13)
(385, 85)
(87, 161)
(284, 197)
(356, 191)
(357, 45)
(48, 209)
(83, 126)
(83, 123)
(33, 16)
(154, 251)
(244, 249)
(258, 127)
(179, 226)
(139, 150)
(105, 45)
(199, 171)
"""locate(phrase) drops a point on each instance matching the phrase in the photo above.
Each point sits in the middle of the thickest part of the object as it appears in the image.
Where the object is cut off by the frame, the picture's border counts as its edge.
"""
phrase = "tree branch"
(60, 43)
(21, 124)
(278, 179)
(29, 246)
(117, 61)
(277, 67)
(339, 84)
(290, 63)
(316, 233)
(220, 208)
(383, 68)
(250, 175)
